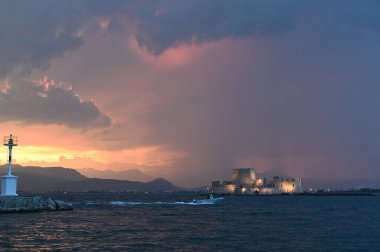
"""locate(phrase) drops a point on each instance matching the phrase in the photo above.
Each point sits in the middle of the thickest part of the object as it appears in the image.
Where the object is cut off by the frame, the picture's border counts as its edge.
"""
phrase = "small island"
(245, 182)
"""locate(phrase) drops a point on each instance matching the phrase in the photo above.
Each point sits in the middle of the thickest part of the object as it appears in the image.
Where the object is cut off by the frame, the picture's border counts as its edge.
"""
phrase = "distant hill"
(95, 184)
(32, 178)
(334, 184)
(42, 179)
(132, 174)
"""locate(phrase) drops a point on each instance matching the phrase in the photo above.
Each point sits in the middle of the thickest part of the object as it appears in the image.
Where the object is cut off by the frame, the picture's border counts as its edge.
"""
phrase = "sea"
(173, 222)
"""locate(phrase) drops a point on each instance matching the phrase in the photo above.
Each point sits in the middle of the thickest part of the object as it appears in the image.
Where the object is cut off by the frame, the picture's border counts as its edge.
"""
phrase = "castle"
(244, 181)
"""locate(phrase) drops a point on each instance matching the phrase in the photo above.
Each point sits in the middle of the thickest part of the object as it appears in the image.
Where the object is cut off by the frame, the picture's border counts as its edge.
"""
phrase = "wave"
(192, 203)
(132, 203)
(121, 203)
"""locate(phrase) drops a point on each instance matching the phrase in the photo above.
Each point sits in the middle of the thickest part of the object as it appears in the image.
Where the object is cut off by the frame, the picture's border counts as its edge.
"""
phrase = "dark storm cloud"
(166, 24)
(196, 22)
(34, 32)
(48, 103)
(364, 13)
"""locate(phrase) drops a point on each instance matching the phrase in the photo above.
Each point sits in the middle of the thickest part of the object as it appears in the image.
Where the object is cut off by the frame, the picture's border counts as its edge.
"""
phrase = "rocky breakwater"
(31, 204)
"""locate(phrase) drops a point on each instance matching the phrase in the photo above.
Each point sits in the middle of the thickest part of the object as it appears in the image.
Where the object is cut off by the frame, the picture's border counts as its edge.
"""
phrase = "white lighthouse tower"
(9, 182)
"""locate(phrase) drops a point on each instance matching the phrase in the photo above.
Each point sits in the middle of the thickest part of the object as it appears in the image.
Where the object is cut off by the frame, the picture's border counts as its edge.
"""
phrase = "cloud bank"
(48, 102)
(34, 32)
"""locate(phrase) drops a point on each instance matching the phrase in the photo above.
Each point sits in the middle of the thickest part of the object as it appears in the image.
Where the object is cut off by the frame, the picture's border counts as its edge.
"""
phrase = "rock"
(50, 204)
(61, 205)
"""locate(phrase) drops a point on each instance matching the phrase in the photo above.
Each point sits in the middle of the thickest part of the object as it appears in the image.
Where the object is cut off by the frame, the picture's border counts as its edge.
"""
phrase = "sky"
(189, 90)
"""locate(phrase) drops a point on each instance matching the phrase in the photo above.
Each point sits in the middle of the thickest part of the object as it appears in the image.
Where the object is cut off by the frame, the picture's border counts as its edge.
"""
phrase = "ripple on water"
(237, 224)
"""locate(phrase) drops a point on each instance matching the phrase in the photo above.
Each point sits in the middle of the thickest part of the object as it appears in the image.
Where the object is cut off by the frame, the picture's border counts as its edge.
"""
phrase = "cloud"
(165, 24)
(34, 32)
(196, 22)
(48, 102)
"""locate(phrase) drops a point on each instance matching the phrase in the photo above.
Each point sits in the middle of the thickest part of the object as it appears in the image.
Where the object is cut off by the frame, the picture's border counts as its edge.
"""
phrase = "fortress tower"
(244, 176)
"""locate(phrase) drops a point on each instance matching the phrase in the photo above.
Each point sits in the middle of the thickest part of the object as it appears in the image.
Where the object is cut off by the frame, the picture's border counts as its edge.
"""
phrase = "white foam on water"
(192, 203)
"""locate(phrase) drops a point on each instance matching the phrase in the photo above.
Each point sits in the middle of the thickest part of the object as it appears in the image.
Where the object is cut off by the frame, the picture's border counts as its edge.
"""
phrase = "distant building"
(245, 181)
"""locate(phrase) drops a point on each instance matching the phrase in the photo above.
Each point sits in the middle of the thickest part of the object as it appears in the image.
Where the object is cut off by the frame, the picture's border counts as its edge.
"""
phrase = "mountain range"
(42, 179)
(132, 174)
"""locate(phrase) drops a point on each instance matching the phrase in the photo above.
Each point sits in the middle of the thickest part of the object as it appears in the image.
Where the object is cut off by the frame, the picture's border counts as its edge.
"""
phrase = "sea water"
(171, 222)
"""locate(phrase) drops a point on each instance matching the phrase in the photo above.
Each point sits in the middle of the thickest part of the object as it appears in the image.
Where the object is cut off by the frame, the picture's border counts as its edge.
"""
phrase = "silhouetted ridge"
(39, 179)
(95, 184)
(131, 174)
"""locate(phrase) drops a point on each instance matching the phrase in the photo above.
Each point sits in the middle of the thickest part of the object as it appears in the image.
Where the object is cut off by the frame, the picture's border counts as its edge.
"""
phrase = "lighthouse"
(9, 182)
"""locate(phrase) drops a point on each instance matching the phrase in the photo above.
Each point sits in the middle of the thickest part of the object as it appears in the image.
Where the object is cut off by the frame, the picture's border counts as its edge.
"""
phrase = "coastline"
(308, 194)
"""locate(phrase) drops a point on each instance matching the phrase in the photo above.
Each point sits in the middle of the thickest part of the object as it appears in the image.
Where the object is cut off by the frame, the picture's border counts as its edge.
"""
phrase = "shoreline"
(307, 194)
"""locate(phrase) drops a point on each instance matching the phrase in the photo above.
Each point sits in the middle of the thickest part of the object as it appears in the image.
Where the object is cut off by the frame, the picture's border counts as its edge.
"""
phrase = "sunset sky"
(189, 90)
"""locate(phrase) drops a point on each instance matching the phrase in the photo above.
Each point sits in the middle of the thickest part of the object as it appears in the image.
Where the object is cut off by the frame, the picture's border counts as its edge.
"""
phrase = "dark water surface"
(272, 223)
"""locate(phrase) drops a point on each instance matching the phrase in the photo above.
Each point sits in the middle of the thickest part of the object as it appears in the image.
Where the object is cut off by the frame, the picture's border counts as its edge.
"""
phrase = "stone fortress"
(245, 181)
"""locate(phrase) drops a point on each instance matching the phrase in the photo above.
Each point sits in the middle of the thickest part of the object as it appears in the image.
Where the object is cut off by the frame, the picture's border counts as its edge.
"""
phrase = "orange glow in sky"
(56, 156)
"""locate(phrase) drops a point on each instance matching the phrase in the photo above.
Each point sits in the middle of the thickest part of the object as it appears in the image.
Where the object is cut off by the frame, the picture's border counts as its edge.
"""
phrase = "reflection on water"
(235, 224)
